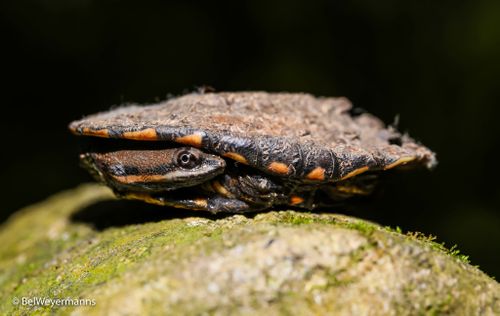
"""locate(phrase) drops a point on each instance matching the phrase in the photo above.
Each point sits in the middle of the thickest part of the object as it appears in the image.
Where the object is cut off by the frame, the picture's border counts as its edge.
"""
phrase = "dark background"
(435, 63)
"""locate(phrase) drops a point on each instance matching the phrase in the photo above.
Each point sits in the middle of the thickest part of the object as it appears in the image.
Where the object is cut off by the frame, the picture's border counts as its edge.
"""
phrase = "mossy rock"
(134, 259)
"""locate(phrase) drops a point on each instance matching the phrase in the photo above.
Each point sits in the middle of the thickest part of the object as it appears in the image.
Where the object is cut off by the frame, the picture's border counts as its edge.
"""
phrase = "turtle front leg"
(230, 193)
(213, 204)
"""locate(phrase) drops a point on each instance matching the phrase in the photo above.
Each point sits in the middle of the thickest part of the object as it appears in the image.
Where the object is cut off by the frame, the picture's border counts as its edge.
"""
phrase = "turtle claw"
(220, 204)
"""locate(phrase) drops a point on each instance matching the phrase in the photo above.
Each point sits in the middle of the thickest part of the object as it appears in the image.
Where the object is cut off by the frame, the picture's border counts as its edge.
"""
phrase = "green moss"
(275, 263)
(42, 269)
(364, 227)
(442, 307)
(295, 218)
(396, 230)
(430, 241)
(302, 218)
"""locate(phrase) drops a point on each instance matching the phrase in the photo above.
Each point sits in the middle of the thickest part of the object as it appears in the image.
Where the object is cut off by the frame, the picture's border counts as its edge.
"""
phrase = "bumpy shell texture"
(286, 134)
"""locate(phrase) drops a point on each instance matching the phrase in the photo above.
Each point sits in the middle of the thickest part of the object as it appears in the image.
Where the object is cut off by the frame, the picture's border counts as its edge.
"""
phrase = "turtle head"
(155, 170)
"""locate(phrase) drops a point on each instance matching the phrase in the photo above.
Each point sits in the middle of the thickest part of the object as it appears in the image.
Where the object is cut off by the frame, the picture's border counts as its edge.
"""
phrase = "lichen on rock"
(286, 262)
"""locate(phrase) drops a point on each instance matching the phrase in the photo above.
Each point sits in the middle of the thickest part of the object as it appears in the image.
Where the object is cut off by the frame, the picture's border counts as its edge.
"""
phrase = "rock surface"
(132, 259)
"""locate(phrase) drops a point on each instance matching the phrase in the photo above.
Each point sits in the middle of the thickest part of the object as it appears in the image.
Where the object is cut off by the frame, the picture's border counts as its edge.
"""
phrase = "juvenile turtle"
(244, 151)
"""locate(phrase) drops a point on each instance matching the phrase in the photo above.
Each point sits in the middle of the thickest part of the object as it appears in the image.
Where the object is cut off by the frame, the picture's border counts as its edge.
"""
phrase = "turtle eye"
(187, 159)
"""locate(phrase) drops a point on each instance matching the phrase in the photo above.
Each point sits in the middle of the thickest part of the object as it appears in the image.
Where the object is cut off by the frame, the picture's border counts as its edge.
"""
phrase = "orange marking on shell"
(295, 199)
(400, 161)
(278, 167)
(317, 174)
(98, 132)
(237, 157)
(355, 172)
(145, 134)
(192, 140)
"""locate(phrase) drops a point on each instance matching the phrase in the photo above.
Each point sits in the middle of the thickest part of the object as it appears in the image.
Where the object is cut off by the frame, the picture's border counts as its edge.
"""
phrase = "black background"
(436, 64)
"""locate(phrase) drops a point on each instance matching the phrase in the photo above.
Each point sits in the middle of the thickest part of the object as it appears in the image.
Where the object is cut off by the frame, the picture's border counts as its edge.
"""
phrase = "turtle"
(244, 151)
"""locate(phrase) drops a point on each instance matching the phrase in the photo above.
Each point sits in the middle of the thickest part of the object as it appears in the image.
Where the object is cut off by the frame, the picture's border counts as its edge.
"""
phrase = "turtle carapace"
(245, 151)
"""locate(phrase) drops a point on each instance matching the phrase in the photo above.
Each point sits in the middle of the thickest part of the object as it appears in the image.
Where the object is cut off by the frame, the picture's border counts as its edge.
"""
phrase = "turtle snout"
(214, 163)
(219, 162)
(87, 161)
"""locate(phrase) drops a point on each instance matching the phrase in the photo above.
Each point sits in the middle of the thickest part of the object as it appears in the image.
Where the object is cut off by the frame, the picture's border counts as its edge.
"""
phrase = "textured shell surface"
(290, 134)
